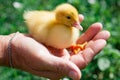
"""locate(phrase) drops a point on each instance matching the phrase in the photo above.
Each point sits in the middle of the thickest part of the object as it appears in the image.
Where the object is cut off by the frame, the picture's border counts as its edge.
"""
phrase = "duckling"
(58, 28)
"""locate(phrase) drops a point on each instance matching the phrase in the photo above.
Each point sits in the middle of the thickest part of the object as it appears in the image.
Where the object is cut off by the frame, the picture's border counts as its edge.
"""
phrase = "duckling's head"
(66, 14)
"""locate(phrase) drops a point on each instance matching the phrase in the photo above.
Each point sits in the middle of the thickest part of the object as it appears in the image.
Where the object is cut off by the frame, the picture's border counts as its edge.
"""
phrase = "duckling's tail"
(30, 19)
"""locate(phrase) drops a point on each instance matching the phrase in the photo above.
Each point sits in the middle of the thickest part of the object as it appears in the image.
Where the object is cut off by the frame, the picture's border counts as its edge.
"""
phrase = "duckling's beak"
(78, 26)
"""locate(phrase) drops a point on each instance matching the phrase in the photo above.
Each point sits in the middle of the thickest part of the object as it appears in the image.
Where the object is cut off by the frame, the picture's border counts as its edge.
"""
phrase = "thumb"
(73, 71)
(56, 68)
(66, 68)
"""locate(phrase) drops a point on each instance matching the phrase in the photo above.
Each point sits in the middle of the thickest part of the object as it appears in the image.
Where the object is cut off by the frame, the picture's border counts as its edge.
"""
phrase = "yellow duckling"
(58, 28)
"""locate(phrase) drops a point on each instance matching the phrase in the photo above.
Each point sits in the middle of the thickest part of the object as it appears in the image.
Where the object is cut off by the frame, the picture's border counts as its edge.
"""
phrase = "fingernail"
(73, 75)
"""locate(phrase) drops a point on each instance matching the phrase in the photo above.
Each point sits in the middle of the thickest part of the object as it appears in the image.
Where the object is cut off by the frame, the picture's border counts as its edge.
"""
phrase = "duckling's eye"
(68, 17)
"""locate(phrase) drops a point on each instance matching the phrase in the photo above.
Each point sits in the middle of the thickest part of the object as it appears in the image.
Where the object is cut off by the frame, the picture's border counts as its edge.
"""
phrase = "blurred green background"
(105, 66)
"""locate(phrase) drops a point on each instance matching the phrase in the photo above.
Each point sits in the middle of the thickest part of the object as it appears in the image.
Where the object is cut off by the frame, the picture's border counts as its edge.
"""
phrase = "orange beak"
(78, 26)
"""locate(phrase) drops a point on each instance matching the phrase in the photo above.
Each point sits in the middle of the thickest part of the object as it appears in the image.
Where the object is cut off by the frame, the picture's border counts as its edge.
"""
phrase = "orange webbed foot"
(77, 48)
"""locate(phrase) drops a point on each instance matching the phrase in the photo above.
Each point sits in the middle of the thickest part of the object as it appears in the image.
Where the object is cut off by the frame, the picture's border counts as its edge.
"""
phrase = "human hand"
(31, 56)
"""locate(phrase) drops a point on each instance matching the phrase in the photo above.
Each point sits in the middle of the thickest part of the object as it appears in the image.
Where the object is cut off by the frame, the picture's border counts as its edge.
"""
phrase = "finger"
(84, 57)
(92, 49)
(102, 35)
(81, 18)
(90, 33)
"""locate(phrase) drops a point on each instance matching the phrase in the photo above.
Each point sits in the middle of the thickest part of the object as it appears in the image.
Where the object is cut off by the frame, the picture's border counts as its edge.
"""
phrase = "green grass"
(105, 66)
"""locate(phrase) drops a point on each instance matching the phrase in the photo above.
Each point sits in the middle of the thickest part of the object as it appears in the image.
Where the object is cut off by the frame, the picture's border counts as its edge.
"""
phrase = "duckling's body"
(46, 28)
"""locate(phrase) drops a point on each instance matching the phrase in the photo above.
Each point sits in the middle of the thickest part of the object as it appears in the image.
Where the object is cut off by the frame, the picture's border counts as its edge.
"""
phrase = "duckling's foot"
(77, 48)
